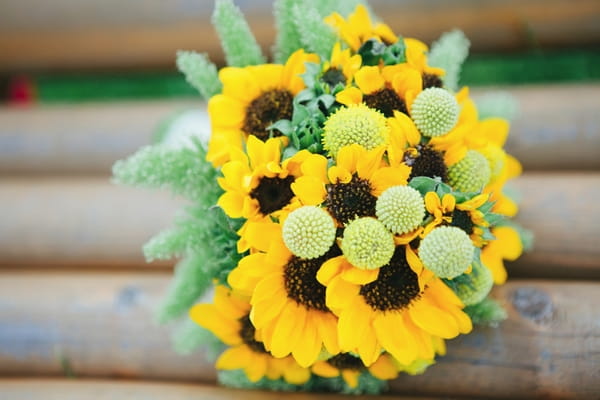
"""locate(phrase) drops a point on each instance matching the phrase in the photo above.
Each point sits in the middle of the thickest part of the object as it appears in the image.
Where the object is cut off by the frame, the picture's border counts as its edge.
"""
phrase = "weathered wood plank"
(550, 133)
(92, 389)
(99, 325)
(94, 35)
(88, 221)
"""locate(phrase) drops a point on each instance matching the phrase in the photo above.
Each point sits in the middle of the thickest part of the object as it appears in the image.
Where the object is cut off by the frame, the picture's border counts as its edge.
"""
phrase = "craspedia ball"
(471, 173)
(367, 244)
(480, 285)
(354, 124)
(434, 111)
(308, 232)
(400, 208)
(447, 251)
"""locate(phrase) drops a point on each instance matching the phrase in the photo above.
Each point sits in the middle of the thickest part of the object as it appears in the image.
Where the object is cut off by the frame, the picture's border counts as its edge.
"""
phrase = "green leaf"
(395, 53)
(371, 52)
(238, 42)
(199, 72)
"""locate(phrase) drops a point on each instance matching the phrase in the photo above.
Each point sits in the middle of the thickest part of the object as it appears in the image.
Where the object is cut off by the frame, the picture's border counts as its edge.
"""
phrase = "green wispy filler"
(449, 52)
(288, 38)
(199, 72)
(183, 171)
(238, 42)
(315, 35)
(487, 312)
(497, 104)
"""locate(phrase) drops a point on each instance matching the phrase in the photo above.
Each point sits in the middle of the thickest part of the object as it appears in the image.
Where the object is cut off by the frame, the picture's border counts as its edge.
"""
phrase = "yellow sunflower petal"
(295, 374)
(239, 84)
(331, 269)
(369, 79)
(234, 358)
(474, 203)
(386, 177)
(359, 276)
(232, 204)
(337, 174)
(433, 320)
(340, 294)
(448, 203)
(227, 303)
(432, 202)
(257, 368)
(309, 189)
(288, 329)
(509, 238)
(370, 349)
(353, 325)
(226, 112)
(495, 130)
(349, 156)
(351, 377)
(309, 346)
(223, 327)
(369, 162)
(395, 337)
(260, 235)
(384, 368)
(327, 325)
(324, 369)
(349, 96)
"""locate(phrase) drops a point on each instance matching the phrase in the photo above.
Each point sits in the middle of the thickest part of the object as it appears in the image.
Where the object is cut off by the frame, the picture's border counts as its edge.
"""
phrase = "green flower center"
(300, 280)
(354, 124)
(269, 107)
(386, 101)
(367, 244)
(428, 162)
(247, 331)
(401, 209)
(333, 77)
(447, 251)
(350, 200)
(309, 232)
(395, 288)
(273, 194)
(346, 361)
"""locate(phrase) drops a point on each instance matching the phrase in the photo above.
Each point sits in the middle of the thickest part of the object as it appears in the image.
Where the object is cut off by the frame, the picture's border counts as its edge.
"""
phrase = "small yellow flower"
(228, 319)
(252, 99)
(359, 28)
(341, 67)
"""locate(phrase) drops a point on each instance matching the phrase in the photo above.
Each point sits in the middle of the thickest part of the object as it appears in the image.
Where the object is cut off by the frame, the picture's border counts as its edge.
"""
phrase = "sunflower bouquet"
(348, 209)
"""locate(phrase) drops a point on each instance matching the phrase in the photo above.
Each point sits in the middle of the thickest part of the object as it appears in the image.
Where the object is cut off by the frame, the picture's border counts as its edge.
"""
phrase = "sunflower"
(252, 99)
(350, 188)
(506, 246)
(358, 28)
(464, 215)
(228, 319)
(388, 89)
(350, 367)
(341, 67)
(288, 303)
(401, 311)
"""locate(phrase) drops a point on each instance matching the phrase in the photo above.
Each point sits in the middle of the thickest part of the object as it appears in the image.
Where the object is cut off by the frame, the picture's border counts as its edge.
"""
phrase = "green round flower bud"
(400, 208)
(471, 173)
(479, 287)
(308, 232)
(447, 251)
(354, 124)
(435, 111)
(367, 244)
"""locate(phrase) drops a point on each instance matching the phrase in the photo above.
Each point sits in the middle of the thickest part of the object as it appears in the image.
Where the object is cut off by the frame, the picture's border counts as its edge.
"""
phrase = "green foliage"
(449, 52)
(315, 35)
(288, 38)
(183, 171)
(487, 312)
(190, 336)
(199, 72)
(497, 104)
(237, 40)
(367, 385)
(373, 52)
(238, 379)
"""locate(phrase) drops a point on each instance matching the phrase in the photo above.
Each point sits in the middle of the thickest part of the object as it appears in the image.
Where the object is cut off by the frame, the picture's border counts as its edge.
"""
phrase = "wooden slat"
(550, 133)
(92, 389)
(72, 34)
(88, 221)
(98, 325)
(70, 222)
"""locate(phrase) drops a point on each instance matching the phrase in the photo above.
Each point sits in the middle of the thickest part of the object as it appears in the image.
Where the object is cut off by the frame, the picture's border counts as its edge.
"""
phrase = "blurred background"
(85, 83)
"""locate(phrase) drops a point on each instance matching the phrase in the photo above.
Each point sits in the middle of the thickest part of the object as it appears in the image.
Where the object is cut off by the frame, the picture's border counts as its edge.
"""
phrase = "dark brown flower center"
(431, 80)
(269, 107)
(247, 331)
(333, 77)
(347, 201)
(300, 280)
(462, 219)
(346, 361)
(385, 100)
(428, 162)
(273, 193)
(395, 288)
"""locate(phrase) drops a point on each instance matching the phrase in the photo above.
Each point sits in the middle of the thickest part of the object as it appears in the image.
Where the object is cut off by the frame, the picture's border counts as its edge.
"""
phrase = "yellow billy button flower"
(435, 111)
(308, 232)
(228, 319)
(354, 124)
(367, 244)
(400, 209)
(471, 174)
(447, 251)
(253, 98)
